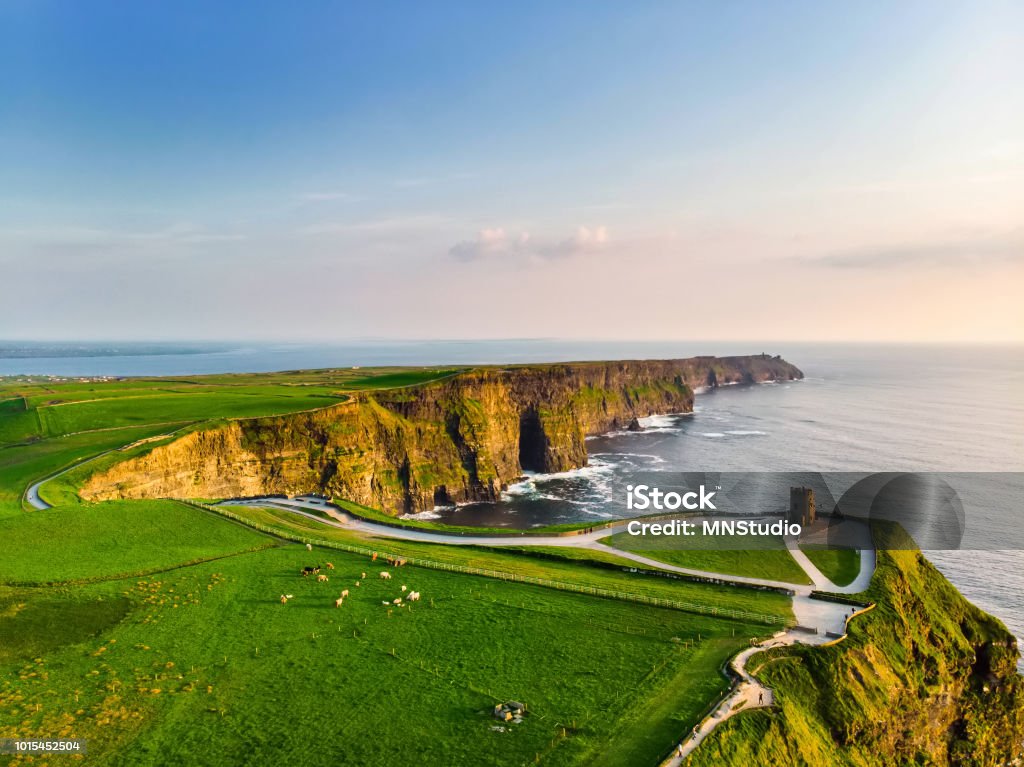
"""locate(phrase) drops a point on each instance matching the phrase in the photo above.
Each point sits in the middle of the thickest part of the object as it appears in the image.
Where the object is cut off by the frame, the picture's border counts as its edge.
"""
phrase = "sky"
(805, 171)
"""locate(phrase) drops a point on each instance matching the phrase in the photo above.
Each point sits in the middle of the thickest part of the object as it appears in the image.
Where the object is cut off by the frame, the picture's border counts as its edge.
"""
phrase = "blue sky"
(497, 170)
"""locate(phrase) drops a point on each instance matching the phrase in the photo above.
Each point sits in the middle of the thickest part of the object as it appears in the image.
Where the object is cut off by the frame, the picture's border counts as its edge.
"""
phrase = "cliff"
(460, 439)
(926, 678)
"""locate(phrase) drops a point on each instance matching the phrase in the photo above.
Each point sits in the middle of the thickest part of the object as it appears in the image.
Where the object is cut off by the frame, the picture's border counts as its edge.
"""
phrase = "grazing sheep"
(309, 547)
(329, 566)
(321, 578)
(396, 601)
(357, 583)
(339, 601)
(386, 604)
(344, 593)
(284, 599)
(362, 577)
(385, 575)
(403, 587)
(414, 596)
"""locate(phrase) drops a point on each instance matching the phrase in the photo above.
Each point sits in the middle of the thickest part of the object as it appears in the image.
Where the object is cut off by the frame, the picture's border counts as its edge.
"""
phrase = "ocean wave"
(597, 476)
(657, 421)
(434, 513)
(750, 433)
(712, 434)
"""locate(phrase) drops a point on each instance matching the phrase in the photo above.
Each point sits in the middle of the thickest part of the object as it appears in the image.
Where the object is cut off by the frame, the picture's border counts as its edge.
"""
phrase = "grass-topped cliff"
(926, 678)
(457, 439)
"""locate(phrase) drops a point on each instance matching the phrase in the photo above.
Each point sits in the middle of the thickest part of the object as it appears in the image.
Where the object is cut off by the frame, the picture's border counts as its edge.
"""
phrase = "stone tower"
(801, 506)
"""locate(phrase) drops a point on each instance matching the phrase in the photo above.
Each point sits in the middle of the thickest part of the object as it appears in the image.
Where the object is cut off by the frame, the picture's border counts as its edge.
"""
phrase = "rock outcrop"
(461, 439)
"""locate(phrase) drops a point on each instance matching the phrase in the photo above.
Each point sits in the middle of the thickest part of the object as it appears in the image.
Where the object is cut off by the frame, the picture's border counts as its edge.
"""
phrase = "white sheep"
(385, 575)
(338, 602)
(386, 604)
(357, 583)
(284, 599)
(414, 596)
(396, 601)
(344, 593)
(363, 576)
(329, 566)
(321, 578)
(403, 587)
(309, 547)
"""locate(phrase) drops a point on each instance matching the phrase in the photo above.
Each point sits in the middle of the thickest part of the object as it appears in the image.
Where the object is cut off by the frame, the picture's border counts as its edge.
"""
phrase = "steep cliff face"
(925, 678)
(460, 439)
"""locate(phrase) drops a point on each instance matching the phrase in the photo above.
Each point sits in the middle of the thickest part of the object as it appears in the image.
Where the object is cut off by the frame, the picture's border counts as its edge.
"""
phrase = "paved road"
(32, 495)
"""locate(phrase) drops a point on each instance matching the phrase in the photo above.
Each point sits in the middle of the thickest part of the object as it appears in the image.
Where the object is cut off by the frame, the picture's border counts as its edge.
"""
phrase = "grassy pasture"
(840, 566)
(207, 661)
(34, 410)
(18, 423)
(114, 539)
(764, 559)
(168, 407)
(570, 569)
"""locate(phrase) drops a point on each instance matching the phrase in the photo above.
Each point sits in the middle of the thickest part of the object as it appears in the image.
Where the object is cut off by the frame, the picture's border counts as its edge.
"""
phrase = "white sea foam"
(433, 513)
(751, 433)
(712, 434)
(657, 421)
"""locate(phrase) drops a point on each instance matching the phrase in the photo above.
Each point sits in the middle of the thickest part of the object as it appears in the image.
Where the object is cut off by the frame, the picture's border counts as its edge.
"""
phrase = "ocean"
(860, 408)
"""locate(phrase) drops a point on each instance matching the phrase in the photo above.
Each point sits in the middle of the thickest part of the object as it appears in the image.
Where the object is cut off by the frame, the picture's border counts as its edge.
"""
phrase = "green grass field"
(114, 539)
(201, 657)
(840, 566)
(37, 409)
(765, 559)
(570, 569)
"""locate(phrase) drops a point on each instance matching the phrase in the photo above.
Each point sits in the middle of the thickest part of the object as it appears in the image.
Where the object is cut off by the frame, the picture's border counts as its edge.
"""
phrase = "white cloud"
(497, 243)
